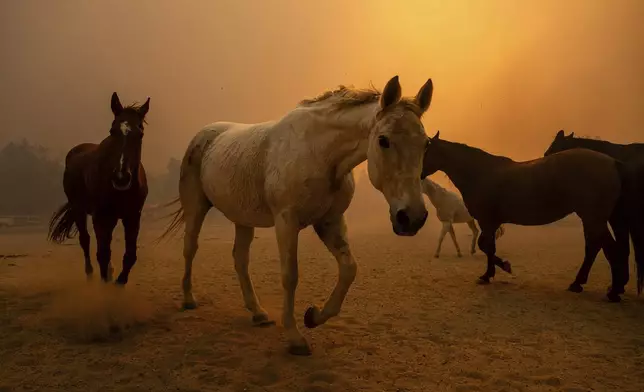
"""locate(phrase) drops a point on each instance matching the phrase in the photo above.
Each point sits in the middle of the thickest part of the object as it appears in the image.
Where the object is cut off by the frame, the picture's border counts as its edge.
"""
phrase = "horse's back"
(578, 180)
(232, 170)
(79, 151)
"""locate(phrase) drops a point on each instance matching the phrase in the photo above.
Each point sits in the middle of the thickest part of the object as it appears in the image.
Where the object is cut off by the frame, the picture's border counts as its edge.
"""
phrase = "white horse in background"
(451, 209)
(297, 172)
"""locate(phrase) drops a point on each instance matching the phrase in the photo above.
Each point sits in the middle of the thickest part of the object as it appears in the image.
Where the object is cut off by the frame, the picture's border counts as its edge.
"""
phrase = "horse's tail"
(62, 225)
(632, 204)
(176, 222)
(190, 179)
(499, 232)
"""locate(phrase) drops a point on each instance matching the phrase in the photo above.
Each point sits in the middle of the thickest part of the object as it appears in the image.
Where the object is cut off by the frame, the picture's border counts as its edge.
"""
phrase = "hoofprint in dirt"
(412, 323)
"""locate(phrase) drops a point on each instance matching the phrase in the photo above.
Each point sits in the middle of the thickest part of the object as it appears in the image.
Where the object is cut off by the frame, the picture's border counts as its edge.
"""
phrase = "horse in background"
(632, 155)
(296, 172)
(450, 209)
(108, 182)
(498, 190)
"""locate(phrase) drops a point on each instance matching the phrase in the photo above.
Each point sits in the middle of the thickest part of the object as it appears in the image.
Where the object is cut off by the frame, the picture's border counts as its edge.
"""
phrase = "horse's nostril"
(402, 218)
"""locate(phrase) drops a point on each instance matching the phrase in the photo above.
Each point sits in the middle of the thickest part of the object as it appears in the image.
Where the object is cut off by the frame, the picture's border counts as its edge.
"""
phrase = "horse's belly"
(240, 202)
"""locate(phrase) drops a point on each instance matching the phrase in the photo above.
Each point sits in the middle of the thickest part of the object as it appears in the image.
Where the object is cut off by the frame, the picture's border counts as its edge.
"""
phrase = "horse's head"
(434, 156)
(395, 154)
(561, 143)
(126, 139)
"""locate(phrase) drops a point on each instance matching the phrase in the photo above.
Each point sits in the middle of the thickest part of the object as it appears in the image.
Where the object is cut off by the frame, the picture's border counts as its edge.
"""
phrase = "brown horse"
(633, 157)
(108, 182)
(498, 190)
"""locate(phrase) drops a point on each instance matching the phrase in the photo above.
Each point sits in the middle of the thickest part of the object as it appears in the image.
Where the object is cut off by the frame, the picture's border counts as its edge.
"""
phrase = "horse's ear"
(436, 137)
(424, 96)
(560, 134)
(145, 107)
(392, 93)
(117, 108)
(572, 135)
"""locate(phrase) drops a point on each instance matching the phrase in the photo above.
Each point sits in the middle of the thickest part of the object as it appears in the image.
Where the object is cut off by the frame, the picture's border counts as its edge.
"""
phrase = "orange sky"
(507, 74)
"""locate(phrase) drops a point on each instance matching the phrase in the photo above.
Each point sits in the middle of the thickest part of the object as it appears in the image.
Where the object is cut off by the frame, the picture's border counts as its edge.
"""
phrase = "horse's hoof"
(262, 320)
(302, 350)
(507, 267)
(613, 297)
(483, 280)
(459, 255)
(620, 291)
(309, 317)
(189, 305)
(119, 283)
(575, 288)
(436, 256)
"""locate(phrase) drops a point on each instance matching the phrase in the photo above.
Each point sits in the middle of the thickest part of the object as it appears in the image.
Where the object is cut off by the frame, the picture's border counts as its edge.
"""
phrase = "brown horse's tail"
(178, 219)
(62, 225)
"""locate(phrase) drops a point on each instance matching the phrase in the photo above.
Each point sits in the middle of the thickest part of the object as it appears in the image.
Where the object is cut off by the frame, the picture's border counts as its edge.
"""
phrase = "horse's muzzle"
(122, 181)
(404, 226)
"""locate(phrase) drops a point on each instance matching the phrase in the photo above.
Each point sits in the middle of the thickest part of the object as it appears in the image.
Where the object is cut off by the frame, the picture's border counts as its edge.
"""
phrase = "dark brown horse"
(632, 155)
(108, 182)
(498, 190)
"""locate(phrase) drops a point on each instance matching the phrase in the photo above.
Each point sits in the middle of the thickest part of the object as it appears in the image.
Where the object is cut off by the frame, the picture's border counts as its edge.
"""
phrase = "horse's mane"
(346, 97)
(134, 107)
(477, 151)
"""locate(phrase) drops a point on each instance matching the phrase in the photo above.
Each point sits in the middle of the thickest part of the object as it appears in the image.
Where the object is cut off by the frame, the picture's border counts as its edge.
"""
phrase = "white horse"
(297, 172)
(451, 209)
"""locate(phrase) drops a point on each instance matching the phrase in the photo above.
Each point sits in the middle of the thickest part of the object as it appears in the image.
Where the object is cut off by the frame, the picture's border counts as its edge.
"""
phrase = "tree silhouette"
(30, 182)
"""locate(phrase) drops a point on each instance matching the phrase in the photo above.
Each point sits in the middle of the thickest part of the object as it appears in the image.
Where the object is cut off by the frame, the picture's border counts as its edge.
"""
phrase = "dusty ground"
(410, 322)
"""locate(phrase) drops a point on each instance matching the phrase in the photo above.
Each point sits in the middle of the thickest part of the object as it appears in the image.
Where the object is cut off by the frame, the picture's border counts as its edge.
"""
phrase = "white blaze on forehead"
(125, 128)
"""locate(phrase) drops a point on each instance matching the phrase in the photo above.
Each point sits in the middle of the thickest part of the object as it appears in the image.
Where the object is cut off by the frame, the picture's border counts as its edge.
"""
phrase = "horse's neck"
(342, 136)
(610, 149)
(432, 189)
(467, 166)
(618, 151)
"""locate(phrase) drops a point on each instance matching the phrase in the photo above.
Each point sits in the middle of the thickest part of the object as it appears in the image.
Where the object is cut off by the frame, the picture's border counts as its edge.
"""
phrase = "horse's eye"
(383, 141)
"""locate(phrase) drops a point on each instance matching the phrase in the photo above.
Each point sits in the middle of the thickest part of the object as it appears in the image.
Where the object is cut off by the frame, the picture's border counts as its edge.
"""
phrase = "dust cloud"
(93, 312)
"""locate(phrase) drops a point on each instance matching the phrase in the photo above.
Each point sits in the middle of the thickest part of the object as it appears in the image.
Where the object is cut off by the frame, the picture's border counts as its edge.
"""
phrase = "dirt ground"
(410, 322)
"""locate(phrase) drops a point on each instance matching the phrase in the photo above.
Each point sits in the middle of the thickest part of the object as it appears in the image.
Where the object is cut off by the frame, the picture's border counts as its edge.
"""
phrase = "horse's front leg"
(287, 233)
(333, 232)
(487, 244)
(131, 225)
(475, 235)
(103, 228)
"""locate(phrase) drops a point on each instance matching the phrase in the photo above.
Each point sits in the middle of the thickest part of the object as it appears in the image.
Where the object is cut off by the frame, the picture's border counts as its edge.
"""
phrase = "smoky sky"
(507, 74)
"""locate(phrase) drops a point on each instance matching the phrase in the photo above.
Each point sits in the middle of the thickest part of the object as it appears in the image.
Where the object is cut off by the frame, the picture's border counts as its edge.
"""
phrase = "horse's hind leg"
(83, 237)
(241, 254)
(194, 215)
(441, 237)
(333, 232)
(487, 244)
(453, 235)
(597, 236)
(475, 234)
(622, 251)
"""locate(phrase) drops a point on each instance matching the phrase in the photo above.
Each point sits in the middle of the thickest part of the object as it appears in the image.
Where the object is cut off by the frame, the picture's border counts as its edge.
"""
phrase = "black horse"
(632, 158)
(108, 182)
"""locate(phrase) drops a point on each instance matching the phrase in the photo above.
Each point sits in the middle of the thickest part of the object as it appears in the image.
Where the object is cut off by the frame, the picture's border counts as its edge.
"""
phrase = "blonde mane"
(347, 97)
